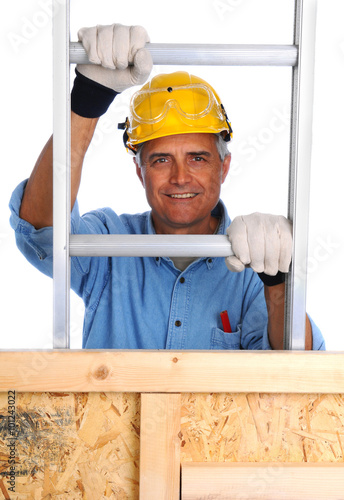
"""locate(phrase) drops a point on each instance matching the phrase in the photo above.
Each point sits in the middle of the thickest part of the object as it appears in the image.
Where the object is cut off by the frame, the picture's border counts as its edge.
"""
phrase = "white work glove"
(262, 242)
(118, 53)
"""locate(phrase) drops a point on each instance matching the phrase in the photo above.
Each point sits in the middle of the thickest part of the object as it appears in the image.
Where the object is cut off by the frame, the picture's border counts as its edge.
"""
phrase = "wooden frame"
(256, 481)
(160, 437)
(172, 371)
(160, 400)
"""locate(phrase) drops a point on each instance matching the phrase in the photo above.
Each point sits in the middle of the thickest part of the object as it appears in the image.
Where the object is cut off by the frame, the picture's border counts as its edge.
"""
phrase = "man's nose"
(180, 173)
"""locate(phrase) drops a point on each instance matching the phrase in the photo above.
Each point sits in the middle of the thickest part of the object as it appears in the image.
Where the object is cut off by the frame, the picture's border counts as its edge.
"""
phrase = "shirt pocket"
(222, 340)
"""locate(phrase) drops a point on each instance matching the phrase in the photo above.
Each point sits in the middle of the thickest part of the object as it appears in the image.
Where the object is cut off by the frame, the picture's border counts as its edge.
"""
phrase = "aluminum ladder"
(299, 56)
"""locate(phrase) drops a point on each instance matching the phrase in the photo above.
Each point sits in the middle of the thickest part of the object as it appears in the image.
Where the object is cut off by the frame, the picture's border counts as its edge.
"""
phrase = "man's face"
(182, 175)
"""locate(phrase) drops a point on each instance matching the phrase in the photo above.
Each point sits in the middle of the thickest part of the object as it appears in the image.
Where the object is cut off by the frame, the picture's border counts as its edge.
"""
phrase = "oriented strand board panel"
(71, 446)
(87, 445)
(262, 427)
(262, 481)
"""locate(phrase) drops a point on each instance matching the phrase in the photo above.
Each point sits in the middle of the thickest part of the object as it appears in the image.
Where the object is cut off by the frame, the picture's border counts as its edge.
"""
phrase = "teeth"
(186, 195)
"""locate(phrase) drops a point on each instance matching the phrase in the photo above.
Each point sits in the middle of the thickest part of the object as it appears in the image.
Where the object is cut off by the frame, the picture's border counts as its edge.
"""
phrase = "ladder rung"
(208, 54)
(148, 245)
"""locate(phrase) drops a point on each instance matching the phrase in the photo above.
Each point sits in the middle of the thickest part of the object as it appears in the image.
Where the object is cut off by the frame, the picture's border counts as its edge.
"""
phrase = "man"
(178, 130)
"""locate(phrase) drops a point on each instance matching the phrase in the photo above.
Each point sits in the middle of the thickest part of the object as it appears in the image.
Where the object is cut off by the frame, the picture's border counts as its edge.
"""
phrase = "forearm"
(275, 301)
(37, 205)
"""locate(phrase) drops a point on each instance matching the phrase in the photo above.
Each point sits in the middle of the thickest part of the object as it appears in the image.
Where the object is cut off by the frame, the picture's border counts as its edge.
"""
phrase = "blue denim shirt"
(147, 303)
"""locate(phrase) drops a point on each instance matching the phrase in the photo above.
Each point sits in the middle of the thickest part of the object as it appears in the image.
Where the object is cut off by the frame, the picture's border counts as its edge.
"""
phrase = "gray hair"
(221, 145)
(139, 154)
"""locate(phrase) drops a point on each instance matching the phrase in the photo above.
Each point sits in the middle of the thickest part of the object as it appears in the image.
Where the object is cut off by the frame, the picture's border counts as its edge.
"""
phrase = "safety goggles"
(192, 101)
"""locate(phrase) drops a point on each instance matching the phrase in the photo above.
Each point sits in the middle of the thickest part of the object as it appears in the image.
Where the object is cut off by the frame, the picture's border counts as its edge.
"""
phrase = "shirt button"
(178, 323)
(210, 261)
(182, 280)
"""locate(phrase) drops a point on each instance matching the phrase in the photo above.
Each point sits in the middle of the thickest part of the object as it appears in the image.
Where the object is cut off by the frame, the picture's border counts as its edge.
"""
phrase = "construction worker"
(178, 132)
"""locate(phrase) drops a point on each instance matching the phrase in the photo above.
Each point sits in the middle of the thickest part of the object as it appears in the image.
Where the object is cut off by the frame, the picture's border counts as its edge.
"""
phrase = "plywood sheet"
(262, 427)
(87, 445)
(72, 445)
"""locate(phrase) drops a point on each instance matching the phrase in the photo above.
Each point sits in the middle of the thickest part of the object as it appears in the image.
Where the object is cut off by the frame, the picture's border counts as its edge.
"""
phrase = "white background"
(257, 102)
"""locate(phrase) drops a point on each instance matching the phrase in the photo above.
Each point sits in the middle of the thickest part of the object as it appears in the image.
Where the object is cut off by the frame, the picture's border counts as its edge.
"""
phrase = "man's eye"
(198, 158)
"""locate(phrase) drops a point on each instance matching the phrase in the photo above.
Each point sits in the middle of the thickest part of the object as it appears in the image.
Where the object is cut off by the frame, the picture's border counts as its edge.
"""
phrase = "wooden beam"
(160, 440)
(169, 371)
(264, 481)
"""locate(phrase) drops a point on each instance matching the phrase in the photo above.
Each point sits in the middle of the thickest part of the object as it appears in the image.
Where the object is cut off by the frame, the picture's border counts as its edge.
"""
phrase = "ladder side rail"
(61, 175)
(299, 173)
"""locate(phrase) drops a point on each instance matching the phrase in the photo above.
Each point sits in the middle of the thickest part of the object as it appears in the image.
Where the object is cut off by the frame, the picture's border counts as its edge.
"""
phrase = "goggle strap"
(124, 126)
(228, 136)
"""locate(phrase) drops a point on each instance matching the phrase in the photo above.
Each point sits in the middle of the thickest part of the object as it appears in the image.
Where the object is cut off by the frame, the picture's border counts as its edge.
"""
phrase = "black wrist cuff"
(272, 280)
(90, 99)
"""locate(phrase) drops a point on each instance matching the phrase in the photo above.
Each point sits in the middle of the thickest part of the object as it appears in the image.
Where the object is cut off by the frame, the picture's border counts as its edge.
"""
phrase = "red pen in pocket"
(225, 322)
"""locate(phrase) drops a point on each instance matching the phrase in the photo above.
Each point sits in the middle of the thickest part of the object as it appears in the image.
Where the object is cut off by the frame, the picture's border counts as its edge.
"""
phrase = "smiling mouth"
(182, 196)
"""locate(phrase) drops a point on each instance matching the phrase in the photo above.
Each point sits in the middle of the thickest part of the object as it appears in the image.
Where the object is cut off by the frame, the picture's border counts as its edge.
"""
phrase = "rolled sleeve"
(318, 339)
(265, 341)
(35, 244)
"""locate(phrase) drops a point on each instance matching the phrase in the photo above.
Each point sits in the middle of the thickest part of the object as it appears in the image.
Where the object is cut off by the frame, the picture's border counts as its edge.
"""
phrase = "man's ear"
(139, 172)
(225, 167)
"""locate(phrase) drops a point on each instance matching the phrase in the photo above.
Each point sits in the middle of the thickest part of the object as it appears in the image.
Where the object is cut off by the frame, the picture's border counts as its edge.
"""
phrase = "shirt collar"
(219, 211)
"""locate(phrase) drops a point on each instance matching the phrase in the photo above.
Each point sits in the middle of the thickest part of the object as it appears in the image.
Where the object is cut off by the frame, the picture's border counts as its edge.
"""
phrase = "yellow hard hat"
(174, 103)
